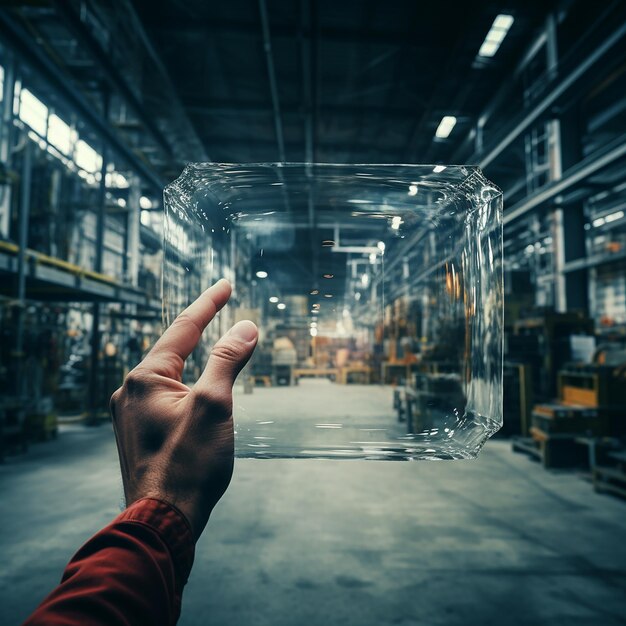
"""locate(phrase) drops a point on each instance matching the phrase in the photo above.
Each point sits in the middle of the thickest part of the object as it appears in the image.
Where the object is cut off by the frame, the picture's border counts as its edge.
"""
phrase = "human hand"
(176, 444)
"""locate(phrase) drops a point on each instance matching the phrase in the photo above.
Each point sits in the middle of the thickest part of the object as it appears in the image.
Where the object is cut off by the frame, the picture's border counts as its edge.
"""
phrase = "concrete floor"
(492, 541)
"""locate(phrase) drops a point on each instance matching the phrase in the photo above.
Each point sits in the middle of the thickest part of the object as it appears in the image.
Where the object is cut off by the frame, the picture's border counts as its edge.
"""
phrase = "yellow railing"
(71, 268)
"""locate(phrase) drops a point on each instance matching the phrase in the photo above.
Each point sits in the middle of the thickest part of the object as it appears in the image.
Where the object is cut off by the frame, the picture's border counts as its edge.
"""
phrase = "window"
(59, 134)
(33, 112)
(87, 158)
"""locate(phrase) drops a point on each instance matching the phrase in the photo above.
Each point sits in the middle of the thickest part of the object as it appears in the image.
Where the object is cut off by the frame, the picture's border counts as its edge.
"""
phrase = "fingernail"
(245, 331)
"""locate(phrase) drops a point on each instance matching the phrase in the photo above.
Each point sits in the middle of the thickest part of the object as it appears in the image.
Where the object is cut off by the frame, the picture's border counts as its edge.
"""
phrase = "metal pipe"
(267, 46)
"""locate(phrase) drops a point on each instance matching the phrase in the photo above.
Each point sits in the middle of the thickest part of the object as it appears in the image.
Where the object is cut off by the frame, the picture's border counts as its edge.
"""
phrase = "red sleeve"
(132, 572)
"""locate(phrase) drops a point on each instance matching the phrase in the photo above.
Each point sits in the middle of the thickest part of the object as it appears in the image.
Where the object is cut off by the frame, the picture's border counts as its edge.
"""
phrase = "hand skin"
(176, 444)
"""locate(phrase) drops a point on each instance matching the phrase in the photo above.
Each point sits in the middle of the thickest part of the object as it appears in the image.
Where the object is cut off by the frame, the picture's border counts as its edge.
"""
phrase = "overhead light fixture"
(397, 220)
(412, 191)
(313, 332)
(496, 35)
(145, 203)
(273, 299)
(612, 217)
(261, 274)
(365, 280)
(373, 258)
(381, 246)
(445, 126)
(281, 306)
(438, 168)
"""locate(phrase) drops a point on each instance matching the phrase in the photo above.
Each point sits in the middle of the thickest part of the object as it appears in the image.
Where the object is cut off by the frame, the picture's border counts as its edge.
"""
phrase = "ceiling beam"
(71, 19)
(271, 72)
(425, 42)
(201, 106)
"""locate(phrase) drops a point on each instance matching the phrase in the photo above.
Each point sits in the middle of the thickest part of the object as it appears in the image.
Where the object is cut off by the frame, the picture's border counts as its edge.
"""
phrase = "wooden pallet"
(611, 479)
(553, 451)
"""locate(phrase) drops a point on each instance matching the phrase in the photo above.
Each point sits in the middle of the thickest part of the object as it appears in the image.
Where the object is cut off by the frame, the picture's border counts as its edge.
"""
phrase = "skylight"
(496, 35)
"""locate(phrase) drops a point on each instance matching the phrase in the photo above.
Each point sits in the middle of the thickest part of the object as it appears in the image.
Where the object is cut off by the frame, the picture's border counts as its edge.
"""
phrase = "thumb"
(228, 357)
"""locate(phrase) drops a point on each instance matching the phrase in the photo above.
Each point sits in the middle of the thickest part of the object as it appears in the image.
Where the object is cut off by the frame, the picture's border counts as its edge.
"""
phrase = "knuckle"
(187, 321)
(114, 401)
(135, 382)
(227, 351)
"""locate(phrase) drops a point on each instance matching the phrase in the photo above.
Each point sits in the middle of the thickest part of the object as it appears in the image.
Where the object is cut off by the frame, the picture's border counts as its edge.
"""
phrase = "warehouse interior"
(295, 116)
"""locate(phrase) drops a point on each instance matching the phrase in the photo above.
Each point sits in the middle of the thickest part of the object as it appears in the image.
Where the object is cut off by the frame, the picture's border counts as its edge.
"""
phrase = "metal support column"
(133, 225)
(95, 404)
(6, 141)
(572, 239)
(21, 263)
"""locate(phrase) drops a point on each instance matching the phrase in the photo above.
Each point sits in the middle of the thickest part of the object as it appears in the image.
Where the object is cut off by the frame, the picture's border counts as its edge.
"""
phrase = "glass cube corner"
(378, 294)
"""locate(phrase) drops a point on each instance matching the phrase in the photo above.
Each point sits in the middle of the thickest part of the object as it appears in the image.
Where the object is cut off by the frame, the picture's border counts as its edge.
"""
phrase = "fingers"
(227, 359)
(179, 340)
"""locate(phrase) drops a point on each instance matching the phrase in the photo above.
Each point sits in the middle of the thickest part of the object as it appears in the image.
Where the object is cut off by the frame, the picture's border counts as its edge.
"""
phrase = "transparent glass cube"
(377, 290)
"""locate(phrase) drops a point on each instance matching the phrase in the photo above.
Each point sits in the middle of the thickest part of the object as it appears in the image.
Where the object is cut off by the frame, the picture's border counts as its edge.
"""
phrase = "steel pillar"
(6, 141)
(94, 391)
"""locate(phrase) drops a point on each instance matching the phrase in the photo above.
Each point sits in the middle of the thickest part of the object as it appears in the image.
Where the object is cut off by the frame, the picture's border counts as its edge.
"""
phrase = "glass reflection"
(378, 294)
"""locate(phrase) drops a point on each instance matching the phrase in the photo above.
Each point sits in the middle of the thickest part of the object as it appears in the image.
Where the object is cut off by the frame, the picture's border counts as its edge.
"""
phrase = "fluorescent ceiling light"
(445, 126)
(281, 306)
(262, 274)
(439, 168)
(503, 22)
(273, 299)
(496, 35)
(614, 216)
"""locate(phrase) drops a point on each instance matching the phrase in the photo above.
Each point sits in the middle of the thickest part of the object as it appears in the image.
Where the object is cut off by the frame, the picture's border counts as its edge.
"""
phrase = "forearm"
(131, 572)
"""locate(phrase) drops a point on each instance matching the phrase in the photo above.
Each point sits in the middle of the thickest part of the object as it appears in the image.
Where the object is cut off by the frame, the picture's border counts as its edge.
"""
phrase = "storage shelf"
(48, 278)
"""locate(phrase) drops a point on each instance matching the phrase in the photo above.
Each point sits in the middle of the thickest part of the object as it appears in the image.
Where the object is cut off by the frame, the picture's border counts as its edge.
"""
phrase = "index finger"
(182, 336)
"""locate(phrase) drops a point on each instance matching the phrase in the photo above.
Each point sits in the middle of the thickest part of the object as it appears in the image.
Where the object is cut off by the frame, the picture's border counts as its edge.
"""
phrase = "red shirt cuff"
(171, 525)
